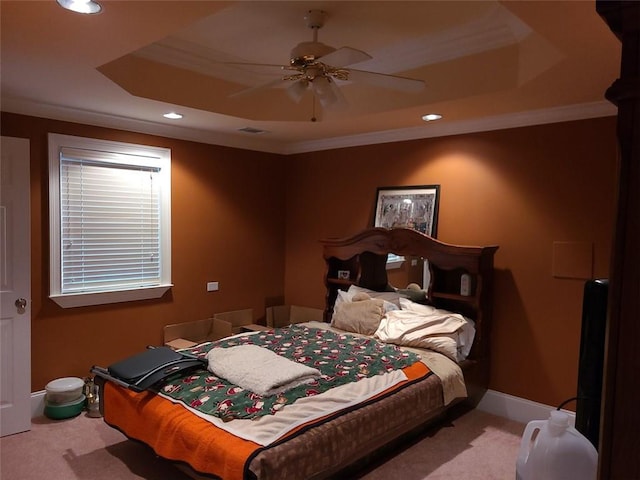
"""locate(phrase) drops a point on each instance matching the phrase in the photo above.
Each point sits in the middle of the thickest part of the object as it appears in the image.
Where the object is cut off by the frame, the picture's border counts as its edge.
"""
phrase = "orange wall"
(253, 221)
(227, 226)
(521, 189)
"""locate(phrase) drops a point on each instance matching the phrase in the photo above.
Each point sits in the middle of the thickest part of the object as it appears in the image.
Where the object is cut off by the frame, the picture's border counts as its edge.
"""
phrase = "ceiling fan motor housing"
(306, 53)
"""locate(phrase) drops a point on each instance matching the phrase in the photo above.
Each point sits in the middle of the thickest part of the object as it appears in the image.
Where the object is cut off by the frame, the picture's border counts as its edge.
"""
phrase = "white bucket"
(557, 452)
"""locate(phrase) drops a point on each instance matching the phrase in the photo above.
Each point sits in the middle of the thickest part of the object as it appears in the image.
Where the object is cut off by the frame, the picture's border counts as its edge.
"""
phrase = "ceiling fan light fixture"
(88, 7)
(297, 89)
(322, 68)
(324, 91)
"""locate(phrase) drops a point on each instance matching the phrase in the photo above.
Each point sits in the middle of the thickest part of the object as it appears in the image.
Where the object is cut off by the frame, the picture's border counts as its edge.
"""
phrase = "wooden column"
(619, 455)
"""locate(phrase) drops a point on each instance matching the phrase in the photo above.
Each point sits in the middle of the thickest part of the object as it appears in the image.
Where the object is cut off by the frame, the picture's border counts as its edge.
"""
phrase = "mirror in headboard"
(362, 260)
(406, 270)
(392, 271)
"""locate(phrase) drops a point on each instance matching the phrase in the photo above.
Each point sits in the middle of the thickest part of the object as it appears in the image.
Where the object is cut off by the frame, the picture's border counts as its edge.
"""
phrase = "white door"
(15, 287)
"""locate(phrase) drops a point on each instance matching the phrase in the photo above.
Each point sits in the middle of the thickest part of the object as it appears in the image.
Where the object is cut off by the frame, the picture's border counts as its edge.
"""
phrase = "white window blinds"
(110, 230)
(110, 221)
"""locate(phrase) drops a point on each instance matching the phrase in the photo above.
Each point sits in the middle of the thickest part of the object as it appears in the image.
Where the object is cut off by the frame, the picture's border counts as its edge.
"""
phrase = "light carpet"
(472, 445)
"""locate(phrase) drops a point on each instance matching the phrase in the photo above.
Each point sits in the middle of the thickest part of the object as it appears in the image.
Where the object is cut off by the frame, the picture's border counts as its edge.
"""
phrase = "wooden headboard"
(362, 260)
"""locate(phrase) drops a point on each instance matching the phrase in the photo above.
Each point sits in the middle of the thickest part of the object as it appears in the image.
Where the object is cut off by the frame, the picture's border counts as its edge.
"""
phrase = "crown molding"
(246, 142)
(231, 139)
(433, 129)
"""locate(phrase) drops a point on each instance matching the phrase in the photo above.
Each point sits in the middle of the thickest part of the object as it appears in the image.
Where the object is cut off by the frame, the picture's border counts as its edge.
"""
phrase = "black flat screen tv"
(591, 363)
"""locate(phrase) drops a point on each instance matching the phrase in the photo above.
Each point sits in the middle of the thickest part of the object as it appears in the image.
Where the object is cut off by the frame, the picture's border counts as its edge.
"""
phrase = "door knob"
(21, 305)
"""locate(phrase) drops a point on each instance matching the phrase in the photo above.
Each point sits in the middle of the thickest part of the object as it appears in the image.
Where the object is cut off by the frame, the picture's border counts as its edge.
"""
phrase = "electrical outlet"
(212, 286)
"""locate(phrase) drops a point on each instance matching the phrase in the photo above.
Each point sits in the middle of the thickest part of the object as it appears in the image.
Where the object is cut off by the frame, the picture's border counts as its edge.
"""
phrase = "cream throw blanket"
(258, 369)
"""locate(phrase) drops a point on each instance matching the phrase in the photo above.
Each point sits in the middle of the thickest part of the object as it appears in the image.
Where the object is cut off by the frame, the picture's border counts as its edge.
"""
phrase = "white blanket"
(258, 369)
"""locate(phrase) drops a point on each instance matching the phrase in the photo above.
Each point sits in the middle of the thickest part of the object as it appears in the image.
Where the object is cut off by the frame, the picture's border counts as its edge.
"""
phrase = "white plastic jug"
(558, 451)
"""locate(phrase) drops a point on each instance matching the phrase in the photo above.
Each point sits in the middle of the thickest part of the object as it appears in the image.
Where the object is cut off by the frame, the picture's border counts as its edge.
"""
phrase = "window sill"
(103, 298)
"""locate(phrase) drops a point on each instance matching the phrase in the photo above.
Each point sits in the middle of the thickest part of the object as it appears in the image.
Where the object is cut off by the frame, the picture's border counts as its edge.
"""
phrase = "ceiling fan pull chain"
(313, 109)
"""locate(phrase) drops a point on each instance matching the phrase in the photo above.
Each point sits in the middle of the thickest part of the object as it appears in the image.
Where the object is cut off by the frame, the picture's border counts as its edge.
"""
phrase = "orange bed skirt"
(174, 433)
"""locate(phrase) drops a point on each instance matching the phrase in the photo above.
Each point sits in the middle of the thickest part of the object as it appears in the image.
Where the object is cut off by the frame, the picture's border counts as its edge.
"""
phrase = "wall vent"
(255, 131)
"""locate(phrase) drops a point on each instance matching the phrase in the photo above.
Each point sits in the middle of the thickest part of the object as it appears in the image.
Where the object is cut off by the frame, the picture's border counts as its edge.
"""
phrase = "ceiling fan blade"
(256, 88)
(393, 82)
(266, 68)
(344, 56)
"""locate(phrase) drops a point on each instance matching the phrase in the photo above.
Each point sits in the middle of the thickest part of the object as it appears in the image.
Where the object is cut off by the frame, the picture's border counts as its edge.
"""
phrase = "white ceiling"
(486, 65)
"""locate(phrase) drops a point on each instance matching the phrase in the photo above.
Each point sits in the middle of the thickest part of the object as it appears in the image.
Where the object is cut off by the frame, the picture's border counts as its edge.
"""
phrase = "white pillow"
(344, 296)
(424, 326)
(466, 334)
(391, 297)
(347, 296)
(406, 304)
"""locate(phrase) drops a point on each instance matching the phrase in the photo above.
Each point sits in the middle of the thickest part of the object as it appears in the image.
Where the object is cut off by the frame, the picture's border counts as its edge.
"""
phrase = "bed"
(319, 427)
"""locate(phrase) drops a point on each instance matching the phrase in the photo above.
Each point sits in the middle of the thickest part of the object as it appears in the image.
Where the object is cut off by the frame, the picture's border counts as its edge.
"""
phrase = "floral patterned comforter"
(341, 359)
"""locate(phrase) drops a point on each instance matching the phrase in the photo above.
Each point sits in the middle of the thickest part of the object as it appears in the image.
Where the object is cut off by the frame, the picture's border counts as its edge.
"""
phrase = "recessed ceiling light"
(430, 117)
(173, 115)
(81, 6)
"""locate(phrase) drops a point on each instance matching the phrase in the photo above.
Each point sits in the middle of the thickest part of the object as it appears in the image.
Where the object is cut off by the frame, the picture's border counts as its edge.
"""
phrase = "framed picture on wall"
(408, 207)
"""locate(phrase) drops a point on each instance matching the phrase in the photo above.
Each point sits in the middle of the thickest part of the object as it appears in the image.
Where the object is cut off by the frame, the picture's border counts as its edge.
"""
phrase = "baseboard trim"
(516, 408)
(37, 403)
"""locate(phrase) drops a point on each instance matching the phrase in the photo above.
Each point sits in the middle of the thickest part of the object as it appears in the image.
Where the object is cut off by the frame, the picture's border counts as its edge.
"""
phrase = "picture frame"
(413, 207)
(344, 274)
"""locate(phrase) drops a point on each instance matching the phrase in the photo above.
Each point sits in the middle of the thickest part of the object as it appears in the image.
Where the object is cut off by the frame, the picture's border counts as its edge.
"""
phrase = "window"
(110, 221)
(394, 261)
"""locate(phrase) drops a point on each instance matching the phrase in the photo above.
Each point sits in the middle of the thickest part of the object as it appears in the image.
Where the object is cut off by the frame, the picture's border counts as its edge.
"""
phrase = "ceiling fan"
(315, 66)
